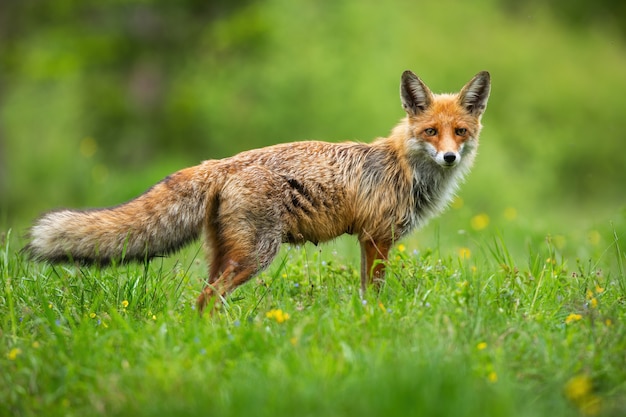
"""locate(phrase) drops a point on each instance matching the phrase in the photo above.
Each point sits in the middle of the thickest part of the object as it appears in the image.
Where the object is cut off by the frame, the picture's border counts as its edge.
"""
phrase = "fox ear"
(475, 94)
(416, 97)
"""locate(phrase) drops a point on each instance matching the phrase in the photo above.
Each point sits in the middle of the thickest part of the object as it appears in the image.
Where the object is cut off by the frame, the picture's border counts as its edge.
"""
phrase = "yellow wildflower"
(278, 315)
(608, 322)
(14, 353)
(599, 289)
(579, 390)
(481, 346)
(479, 222)
(92, 315)
(578, 387)
(125, 303)
(594, 302)
(401, 248)
(464, 253)
(492, 377)
(572, 318)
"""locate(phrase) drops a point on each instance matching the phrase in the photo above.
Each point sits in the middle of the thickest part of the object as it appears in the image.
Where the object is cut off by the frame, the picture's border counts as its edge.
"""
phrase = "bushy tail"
(162, 220)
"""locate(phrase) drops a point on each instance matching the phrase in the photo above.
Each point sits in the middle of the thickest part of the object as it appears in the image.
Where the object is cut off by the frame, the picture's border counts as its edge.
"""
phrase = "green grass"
(489, 335)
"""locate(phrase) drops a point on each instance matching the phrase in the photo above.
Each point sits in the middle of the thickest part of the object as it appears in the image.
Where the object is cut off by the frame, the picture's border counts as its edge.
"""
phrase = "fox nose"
(449, 157)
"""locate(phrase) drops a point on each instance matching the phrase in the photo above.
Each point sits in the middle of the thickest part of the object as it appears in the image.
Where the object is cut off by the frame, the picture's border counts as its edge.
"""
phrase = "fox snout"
(448, 159)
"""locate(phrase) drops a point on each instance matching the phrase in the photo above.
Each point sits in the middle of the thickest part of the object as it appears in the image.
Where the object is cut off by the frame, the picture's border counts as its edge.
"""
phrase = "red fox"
(249, 204)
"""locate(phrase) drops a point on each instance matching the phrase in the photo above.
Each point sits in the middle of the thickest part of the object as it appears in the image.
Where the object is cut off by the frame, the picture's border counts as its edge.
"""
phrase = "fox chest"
(403, 207)
(429, 196)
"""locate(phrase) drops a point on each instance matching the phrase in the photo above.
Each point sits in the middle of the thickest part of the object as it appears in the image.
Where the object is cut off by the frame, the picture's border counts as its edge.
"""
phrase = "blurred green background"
(100, 100)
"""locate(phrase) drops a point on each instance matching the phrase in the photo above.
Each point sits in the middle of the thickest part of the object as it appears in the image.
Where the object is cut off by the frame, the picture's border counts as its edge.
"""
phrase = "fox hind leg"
(232, 277)
(235, 260)
(244, 230)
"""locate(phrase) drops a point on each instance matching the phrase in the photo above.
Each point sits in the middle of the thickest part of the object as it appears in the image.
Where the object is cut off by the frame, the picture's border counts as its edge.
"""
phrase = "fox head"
(444, 126)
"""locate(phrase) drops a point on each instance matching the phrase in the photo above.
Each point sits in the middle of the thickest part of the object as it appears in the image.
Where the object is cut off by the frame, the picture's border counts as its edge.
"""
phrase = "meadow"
(512, 303)
(477, 332)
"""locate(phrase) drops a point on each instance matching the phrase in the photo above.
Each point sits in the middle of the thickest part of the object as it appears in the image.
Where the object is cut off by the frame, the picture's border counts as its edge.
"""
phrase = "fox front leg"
(373, 257)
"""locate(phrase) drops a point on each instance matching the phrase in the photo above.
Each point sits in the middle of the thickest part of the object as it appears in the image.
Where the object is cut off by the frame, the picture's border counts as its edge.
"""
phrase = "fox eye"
(460, 131)
(431, 131)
